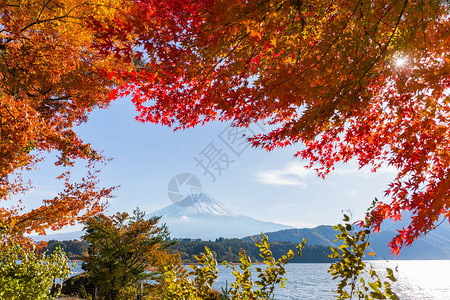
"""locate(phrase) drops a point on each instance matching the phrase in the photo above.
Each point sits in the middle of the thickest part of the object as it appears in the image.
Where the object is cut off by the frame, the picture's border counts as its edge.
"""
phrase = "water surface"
(416, 280)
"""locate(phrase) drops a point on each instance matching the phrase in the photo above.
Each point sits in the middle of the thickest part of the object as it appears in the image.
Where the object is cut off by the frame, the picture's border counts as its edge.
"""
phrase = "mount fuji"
(199, 216)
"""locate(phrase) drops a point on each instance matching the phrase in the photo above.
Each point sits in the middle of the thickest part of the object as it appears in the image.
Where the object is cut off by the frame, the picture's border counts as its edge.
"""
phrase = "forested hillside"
(228, 249)
(223, 249)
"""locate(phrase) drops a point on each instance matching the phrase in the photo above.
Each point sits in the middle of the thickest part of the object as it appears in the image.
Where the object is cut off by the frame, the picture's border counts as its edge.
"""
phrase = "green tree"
(357, 277)
(73, 249)
(26, 275)
(121, 249)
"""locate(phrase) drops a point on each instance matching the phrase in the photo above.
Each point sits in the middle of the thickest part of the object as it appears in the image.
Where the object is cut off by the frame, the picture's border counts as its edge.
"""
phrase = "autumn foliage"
(122, 248)
(348, 79)
(50, 79)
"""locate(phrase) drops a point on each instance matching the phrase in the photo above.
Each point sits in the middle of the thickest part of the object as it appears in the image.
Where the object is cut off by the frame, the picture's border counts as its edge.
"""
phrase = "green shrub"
(351, 268)
(24, 274)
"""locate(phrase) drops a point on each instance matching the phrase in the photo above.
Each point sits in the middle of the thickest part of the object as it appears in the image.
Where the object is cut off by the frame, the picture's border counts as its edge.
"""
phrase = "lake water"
(416, 280)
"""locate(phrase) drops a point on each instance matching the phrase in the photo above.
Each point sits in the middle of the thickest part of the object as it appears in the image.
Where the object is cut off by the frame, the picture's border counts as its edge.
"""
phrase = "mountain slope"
(321, 235)
(435, 245)
(66, 236)
(200, 216)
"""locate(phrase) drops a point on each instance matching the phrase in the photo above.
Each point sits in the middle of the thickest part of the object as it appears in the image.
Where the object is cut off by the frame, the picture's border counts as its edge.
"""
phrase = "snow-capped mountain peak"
(196, 205)
(201, 216)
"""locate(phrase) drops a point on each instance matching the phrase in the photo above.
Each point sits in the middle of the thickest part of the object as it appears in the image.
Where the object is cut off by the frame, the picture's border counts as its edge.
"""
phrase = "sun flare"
(401, 61)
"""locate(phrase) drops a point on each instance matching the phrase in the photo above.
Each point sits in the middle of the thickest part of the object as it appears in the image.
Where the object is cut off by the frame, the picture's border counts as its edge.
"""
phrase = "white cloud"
(293, 175)
(351, 193)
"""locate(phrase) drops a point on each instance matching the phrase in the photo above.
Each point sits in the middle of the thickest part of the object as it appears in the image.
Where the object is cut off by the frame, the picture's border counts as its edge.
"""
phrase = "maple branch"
(42, 10)
(4, 105)
(252, 55)
(440, 223)
(323, 55)
(67, 15)
(226, 56)
(383, 50)
(42, 92)
(335, 39)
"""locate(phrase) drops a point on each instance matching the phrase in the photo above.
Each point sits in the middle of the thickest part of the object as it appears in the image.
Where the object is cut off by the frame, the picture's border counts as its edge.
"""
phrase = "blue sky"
(269, 186)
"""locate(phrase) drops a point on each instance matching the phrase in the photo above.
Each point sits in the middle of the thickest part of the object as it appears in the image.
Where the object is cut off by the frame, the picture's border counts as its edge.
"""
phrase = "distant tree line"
(222, 249)
(228, 249)
(74, 249)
